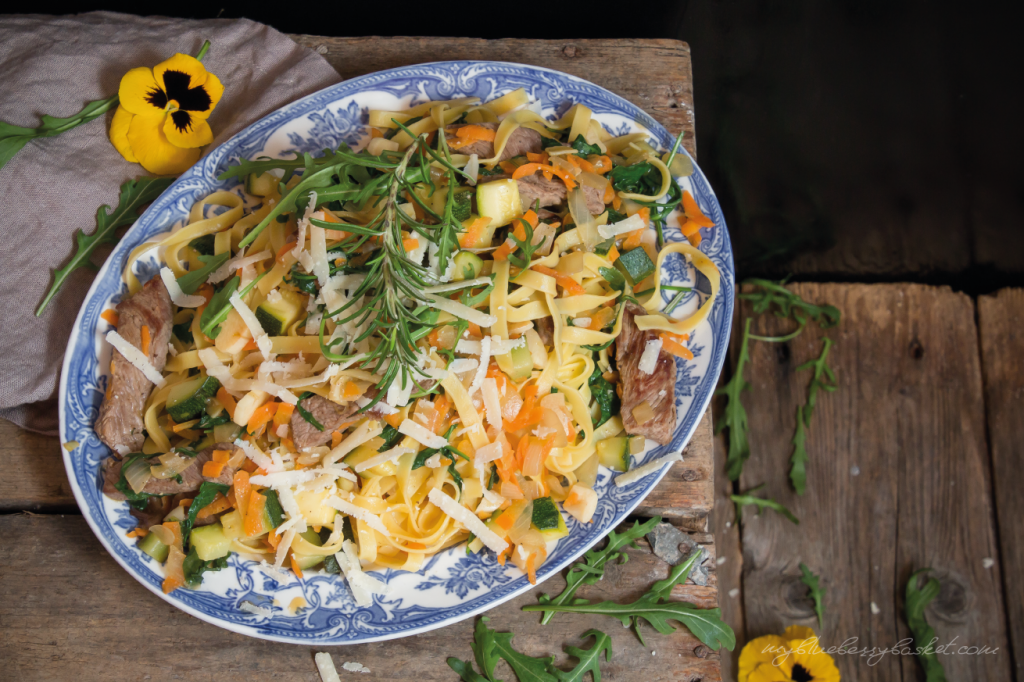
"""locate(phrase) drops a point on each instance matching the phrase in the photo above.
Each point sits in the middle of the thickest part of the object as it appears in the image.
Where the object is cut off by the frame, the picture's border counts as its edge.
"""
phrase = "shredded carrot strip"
(145, 339)
(693, 212)
(411, 244)
(474, 330)
(212, 469)
(175, 529)
(505, 521)
(241, 490)
(335, 439)
(394, 420)
(602, 164)
(475, 132)
(537, 158)
(609, 194)
(111, 317)
(273, 539)
(279, 258)
(221, 456)
(502, 253)
(473, 232)
(283, 414)
(295, 567)
(531, 168)
(225, 399)
(571, 286)
(220, 503)
(617, 202)
(262, 415)
(613, 255)
(580, 163)
(415, 545)
(601, 319)
(531, 570)
(254, 514)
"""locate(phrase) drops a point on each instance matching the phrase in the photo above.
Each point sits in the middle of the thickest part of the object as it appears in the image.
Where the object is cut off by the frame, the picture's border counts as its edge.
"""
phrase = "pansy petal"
(140, 94)
(766, 672)
(119, 133)
(154, 151)
(757, 651)
(798, 632)
(181, 63)
(213, 90)
(185, 130)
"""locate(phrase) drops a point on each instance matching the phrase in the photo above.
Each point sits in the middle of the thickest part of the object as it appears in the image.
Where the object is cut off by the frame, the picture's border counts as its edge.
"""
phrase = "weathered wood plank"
(69, 612)
(898, 479)
(665, 91)
(686, 495)
(729, 573)
(1002, 361)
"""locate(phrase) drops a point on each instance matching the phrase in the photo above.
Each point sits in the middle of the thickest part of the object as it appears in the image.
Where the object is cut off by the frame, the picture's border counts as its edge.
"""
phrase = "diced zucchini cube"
(210, 542)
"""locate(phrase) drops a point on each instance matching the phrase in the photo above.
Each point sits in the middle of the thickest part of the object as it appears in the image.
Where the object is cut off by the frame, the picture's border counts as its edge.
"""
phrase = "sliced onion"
(510, 491)
(137, 474)
(586, 473)
(472, 169)
(171, 464)
(586, 227)
(163, 534)
(562, 164)
(522, 523)
(593, 180)
(637, 445)
(643, 413)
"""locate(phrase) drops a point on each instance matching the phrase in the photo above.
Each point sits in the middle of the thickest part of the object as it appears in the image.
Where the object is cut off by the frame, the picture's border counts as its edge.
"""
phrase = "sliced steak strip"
(536, 188)
(191, 478)
(328, 413)
(595, 199)
(521, 140)
(657, 388)
(120, 424)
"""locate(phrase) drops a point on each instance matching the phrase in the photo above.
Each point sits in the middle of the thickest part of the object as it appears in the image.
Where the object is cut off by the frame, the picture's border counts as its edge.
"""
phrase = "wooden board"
(69, 612)
(898, 479)
(1002, 361)
(665, 91)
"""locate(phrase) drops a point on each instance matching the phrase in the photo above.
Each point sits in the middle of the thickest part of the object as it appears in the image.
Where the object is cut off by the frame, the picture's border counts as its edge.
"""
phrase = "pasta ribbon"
(653, 304)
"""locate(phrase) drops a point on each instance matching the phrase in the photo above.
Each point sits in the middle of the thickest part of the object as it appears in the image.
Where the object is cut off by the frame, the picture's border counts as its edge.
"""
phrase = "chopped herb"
(183, 331)
(192, 280)
(583, 148)
(917, 600)
(207, 492)
(604, 395)
(204, 245)
(193, 567)
(761, 503)
(391, 437)
(207, 423)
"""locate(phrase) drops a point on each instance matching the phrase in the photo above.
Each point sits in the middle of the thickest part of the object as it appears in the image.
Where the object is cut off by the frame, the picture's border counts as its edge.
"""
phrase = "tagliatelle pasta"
(375, 367)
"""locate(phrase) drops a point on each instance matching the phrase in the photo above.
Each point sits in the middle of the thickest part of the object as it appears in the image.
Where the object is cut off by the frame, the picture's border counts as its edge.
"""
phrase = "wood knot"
(690, 475)
(782, 353)
(571, 51)
(954, 601)
(916, 349)
(796, 598)
(701, 651)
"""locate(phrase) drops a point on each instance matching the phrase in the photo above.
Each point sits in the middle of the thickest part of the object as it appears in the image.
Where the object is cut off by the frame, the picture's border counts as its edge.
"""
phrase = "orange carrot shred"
(111, 317)
(145, 339)
(225, 399)
(693, 212)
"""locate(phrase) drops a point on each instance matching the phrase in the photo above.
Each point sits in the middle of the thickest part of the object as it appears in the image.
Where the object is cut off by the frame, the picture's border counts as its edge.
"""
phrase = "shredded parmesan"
(262, 340)
(362, 433)
(136, 357)
(179, 297)
(492, 402)
(356, 666)
(324, 663)
(258, 456)
(362, 585)
(649, 359)
(463, 284)
(463, 365)
(488, 453)
(499, 346)
(249, 607)
(472, 169)
(386, 456)
(636, 474)
(284, 479)
(318, 250)
(356, 512)
(460, 310)
(481, 371)
(468, 520)
(240, 261)
(630, 224)
(421, 434)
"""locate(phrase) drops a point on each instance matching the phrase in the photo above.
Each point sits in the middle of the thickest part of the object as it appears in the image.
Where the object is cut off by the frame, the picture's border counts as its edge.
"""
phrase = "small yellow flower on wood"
(161, 121)
(796, 656)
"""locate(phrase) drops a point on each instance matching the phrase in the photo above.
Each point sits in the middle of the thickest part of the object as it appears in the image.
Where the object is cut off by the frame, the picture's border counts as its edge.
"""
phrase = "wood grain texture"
(1002, 361)
(729, 551)
(898, 479)
(665, 91)
(69, 612)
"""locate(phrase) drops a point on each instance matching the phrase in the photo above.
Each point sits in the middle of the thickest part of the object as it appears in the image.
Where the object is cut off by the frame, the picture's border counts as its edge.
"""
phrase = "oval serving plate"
(452, 585)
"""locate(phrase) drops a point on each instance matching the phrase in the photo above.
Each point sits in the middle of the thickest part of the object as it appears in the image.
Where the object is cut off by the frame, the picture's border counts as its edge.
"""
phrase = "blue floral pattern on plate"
(451, 586)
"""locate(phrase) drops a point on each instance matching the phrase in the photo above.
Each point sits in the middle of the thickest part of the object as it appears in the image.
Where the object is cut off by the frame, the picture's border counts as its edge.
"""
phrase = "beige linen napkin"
(54, 65)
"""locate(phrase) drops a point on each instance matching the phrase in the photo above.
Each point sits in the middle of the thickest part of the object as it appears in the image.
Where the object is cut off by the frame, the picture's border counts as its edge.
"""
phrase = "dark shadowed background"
(863, 140)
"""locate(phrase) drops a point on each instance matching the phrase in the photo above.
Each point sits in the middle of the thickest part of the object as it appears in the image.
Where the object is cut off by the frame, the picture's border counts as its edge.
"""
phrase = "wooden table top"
(68, 611)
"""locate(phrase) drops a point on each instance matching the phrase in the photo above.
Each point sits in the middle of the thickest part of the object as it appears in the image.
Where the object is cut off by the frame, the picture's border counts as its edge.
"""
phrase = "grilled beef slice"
(120, 424)
(536, 188)
(191, 478)
(521, 140)
(657, 388)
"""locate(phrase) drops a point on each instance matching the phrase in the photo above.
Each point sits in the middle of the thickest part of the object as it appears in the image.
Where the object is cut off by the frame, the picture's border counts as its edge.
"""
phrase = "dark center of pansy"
(157, 97)
(182, 120)
(800, 674)
(189, 99)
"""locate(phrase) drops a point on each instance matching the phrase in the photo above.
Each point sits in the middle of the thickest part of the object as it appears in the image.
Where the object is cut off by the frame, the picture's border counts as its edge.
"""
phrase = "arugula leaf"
(798, 470)
(526, 668)
(483, 647)
(788, 304)
(193, 567)
(134, 194)
(591, 569)
(194, 279)
(207, 491)
(181, 331)
(13, 138)
(583, 148)
(523, 253)
(705, 624)
(817, 593)
(465, 670)
(604, 395)
(613, 277)
(391, 437)
(448, 451)
(546, 142)
(924, 634)
(455, 477)
(761, 503)
(306, 414)
(589, 659)
(734, 416)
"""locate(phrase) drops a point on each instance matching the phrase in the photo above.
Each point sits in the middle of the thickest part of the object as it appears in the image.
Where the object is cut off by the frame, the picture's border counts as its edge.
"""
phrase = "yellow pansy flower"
(161, 121)
(796, 656)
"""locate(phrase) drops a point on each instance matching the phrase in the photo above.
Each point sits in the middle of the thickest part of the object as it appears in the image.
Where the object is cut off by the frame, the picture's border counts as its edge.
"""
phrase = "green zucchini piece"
(467, 266)
(276, 317)
(260, 185)
(463, 205)
(210, 542)
(311, 536)
(614, 453)
(307, 562)
(518, 364)
(548, 520)
(188, 399)
(273, 514)
(635, 265)
(152, 546)
(204, 244)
